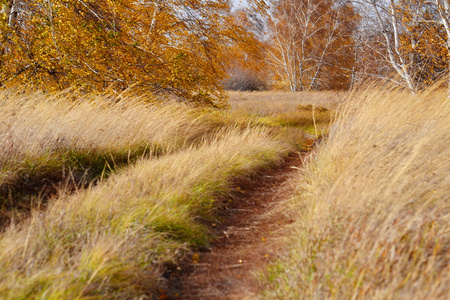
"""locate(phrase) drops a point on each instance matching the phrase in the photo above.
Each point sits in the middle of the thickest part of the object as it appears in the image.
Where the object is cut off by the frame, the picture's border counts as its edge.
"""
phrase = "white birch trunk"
(11, 10)
(12, 22)
(395, 58)
(443, 7)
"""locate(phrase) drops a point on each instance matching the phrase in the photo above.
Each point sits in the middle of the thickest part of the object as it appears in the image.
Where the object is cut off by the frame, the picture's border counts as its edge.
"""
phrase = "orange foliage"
(164, 47)
(423, 41)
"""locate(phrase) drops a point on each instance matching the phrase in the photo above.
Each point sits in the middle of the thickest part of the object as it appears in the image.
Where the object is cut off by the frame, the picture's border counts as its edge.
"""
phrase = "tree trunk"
(443, 7)
(11, 9)
(395, 58)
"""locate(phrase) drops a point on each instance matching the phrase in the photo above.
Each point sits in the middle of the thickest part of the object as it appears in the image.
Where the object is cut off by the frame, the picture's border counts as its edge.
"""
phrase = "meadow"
(124, 163)
(101, 196)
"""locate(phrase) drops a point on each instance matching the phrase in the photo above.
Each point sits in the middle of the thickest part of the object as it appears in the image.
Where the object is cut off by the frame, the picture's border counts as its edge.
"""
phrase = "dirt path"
(247, 239)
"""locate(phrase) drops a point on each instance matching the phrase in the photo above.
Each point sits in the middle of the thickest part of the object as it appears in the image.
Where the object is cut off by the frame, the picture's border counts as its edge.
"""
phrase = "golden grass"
(51, 138)
(170, 166)
(374, 205)
(36, 127)
(112, 240)
(276, 102)
(311, 111)
(115, 239)
(39, 125)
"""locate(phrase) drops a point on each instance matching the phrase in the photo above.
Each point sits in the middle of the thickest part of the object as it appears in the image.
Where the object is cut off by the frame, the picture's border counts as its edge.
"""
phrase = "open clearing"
(152, 186)
(202, 203)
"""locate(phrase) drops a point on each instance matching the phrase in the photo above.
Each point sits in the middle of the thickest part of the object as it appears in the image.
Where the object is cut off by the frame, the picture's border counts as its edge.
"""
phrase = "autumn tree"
(424, 41)
(404, 37)
(443, 8)
(246, 63)
(312, 44)
(166, 47)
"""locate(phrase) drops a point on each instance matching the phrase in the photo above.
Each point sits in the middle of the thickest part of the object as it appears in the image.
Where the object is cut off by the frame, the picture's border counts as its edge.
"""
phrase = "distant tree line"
(192, 49)
(337, 44)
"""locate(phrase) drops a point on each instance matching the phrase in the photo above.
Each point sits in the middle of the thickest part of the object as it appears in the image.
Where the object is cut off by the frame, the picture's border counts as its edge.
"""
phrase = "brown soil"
(248, 239)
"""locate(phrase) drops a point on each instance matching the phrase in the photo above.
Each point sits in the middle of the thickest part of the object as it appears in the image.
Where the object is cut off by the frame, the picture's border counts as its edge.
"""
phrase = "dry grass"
(37, 122)
(47, 139)
(171, 169)
(374, 206)
(310, 111)
(39, 125)
(112, 240)
(273, 102)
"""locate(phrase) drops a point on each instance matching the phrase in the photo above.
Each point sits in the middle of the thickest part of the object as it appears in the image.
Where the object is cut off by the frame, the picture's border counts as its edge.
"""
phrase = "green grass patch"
(34, 179)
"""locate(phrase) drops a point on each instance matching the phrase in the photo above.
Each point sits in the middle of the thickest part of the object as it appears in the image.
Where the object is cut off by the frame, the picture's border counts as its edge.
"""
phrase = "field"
(101, 197)
(111, 198)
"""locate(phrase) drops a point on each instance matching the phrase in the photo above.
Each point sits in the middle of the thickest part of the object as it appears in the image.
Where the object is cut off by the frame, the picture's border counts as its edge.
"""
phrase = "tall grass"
(169, 170)
(374, 205)
(34, 124)
(114, 239)
(50, 138)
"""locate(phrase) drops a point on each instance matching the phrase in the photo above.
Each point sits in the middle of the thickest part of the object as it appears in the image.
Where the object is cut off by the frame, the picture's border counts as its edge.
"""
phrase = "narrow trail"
(247, 240)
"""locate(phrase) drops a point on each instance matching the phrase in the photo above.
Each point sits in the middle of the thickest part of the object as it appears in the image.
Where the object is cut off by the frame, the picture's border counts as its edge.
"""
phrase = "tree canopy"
(187, 48)
(171, 47)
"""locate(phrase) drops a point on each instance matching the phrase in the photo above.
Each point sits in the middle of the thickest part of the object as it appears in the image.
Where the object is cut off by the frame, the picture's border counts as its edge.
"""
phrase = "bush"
(244, 80)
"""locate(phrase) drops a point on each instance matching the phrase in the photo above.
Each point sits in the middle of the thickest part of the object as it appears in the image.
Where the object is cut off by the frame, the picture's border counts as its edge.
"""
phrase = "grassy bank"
(373, 206)
(114, 240)
(48, 139)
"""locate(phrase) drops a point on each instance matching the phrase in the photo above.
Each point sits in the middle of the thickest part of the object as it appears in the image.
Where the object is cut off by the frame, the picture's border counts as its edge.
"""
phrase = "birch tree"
(389, 22)
(312, 44)
(405, 37)
(11, 10)
(443, 7)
